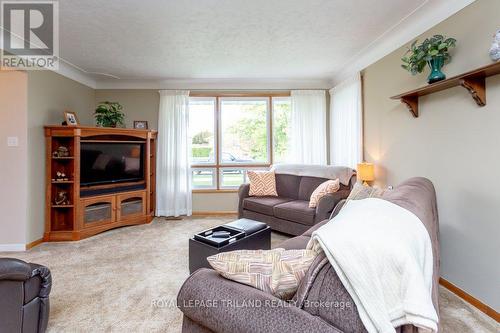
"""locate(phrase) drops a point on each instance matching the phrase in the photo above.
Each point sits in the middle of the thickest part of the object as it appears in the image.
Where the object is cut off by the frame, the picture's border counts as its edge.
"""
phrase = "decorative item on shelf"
(140, 124)
(109, 114)
(61, 152)
(366, 173)
(433, 52)
(495, 47)
(70, 119)
(62, 198)
(60, 176)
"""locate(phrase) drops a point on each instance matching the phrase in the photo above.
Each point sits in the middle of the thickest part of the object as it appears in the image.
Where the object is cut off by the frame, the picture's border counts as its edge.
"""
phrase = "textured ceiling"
(195, 39)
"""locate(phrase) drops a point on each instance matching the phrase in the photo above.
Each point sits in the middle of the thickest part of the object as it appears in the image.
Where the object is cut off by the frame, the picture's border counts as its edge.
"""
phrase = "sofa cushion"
(262, 183)
(277, 272)
(296, 211)
(288, 186)
(360, 192)
(299, 242)
(308, 232)
(328, 187)
(263, 205)
(308, 185)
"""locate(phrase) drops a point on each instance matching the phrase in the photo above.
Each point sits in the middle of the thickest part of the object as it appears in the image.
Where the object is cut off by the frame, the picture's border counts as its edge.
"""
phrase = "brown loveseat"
(289, 212)
(211, 303)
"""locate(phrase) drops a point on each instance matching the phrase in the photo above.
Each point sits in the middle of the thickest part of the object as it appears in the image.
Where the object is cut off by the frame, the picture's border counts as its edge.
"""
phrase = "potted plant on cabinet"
(433, 52)
(109, 114)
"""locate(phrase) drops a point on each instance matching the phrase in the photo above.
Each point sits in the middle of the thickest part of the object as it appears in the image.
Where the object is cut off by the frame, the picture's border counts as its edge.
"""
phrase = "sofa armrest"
(14, 269)
(243, 192)
(337, 208)
(327, 204)
(45, 277)
(222, 305)
(43, 294)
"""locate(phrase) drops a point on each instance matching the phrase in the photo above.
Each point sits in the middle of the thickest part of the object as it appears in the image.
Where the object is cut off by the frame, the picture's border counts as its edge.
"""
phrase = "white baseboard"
(12, 247)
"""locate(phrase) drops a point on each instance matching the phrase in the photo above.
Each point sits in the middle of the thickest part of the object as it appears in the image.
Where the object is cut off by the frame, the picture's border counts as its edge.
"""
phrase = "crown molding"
(216, 84)
(414, 24)
(75, 74)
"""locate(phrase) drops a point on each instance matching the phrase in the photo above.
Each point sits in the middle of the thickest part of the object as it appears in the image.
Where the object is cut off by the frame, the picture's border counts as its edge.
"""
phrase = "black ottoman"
(245, 234)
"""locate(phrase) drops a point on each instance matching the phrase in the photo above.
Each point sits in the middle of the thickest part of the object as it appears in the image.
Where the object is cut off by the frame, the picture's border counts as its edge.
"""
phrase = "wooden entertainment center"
(75, 211)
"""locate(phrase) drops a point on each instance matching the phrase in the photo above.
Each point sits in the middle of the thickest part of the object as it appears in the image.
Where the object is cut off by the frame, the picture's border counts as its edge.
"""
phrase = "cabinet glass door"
(98, 211)
(131, 205)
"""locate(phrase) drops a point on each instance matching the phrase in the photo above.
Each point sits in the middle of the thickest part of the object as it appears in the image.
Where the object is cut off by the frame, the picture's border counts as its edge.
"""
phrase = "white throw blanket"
(382, 253)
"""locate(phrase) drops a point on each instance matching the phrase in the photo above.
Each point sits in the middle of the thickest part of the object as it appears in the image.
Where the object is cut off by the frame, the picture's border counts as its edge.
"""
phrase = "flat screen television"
(111, 162)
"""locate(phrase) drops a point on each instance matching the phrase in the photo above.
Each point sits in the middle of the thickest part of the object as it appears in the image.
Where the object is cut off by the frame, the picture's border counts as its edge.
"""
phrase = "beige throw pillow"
(262, 183)
(277, 272)
(328, 187)
(360, 192)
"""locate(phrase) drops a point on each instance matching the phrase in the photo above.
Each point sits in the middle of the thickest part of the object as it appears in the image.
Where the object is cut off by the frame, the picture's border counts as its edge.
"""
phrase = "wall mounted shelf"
(474, 81)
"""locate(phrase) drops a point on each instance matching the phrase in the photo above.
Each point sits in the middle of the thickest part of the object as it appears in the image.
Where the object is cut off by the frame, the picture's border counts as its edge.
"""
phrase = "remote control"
(221, 234)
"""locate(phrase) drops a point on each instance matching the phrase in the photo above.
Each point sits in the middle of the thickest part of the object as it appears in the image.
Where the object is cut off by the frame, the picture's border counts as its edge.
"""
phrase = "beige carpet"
(111, 282)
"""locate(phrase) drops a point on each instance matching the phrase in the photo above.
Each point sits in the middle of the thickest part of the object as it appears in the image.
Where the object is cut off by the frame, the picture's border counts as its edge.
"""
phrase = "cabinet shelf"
(473, 81)
(63, 158)
(62, 182)
(62, 206)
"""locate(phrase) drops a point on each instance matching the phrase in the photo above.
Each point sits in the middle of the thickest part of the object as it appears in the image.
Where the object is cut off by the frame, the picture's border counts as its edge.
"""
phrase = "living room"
(203, 166)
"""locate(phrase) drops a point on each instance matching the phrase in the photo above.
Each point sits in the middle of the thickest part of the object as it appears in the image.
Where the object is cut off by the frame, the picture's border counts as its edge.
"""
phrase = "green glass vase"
(435, 64)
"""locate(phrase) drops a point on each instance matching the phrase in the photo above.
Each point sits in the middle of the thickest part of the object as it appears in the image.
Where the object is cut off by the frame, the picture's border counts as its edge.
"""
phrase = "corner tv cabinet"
(75, 211)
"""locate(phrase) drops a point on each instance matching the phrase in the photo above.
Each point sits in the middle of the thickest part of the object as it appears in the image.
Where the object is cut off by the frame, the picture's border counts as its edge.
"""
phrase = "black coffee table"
(245, 234)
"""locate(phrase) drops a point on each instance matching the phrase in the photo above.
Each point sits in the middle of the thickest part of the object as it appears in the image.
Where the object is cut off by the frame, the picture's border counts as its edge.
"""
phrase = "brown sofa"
(289, 212)
(24, 296)
(211, 303)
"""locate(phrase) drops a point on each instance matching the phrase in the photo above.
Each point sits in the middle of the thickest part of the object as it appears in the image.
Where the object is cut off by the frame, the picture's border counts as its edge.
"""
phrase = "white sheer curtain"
(308, 127)
(173, 174)
(346, 123)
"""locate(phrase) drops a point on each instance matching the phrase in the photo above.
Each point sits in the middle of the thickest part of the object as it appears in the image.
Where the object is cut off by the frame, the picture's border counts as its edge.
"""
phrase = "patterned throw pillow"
(262, 183)
(360, 192)
(328, 187)
(276, 271)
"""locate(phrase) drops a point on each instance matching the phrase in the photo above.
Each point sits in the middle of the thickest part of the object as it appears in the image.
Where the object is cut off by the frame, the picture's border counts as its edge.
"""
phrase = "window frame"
(218, 166)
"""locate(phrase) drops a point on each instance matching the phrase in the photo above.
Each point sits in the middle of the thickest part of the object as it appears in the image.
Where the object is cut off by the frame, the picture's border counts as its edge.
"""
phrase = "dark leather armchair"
(24, 301)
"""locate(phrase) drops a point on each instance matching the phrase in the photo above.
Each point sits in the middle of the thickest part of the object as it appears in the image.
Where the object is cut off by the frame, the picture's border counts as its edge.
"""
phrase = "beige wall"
(13, 165)
(453, 143)
(140, 104)
(49, 94)
(215, 202)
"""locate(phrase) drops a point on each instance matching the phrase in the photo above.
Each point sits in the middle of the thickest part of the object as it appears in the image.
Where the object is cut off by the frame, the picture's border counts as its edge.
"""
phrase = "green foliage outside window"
(202, 152)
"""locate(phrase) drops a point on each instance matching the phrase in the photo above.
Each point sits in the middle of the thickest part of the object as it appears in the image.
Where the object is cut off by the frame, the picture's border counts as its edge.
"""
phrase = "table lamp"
(366, 173)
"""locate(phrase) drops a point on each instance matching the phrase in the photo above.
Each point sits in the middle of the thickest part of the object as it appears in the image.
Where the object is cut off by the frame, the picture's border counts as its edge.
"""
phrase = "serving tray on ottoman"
(210, 236)
(244, 234)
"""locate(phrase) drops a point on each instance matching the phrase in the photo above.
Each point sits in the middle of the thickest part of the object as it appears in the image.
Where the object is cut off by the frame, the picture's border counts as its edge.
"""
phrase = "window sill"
(215, 191)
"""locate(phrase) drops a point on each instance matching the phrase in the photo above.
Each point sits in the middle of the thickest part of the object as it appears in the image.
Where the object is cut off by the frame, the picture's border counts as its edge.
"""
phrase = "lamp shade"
(366, 172)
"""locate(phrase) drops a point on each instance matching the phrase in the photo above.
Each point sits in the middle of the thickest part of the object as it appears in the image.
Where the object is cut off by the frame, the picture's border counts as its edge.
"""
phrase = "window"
(231, 135)
(204, 178)
(202, 130)
(244, 131)
(281, 128)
